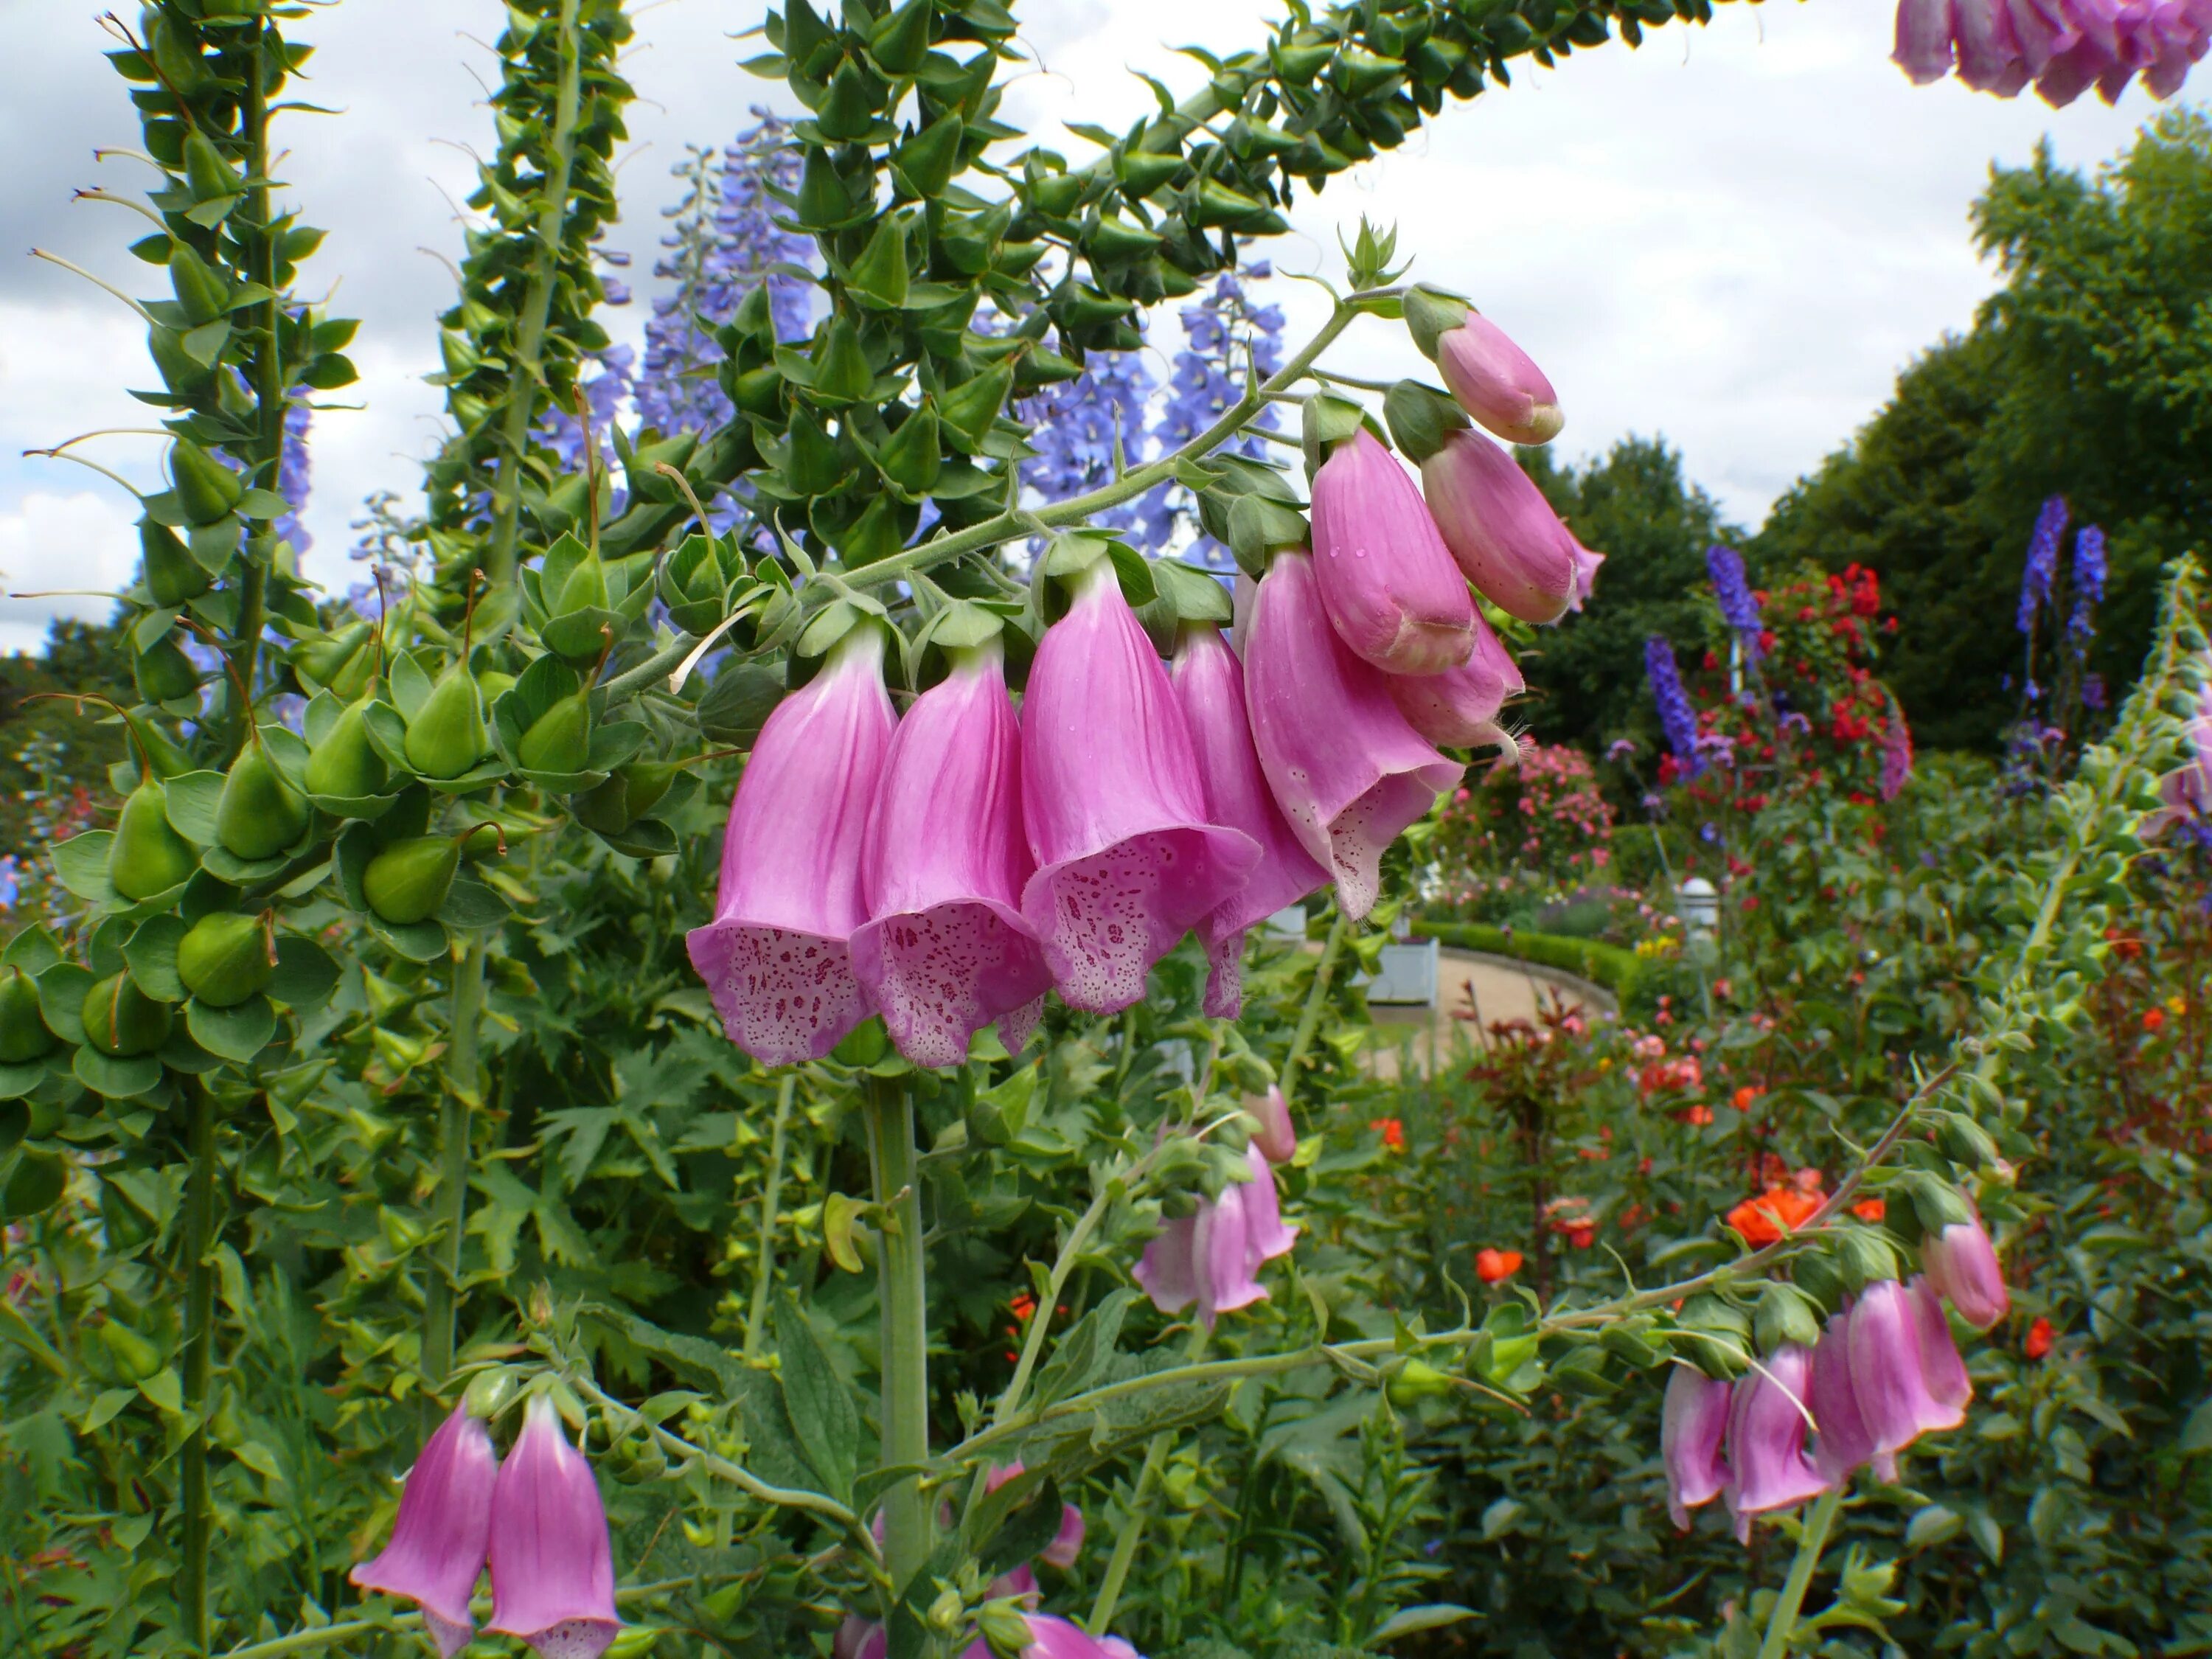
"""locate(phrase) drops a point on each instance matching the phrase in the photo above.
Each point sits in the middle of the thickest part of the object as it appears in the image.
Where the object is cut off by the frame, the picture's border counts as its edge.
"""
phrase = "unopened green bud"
(121, 1020)
(147, 856)
(24, 1036)
(226, 958)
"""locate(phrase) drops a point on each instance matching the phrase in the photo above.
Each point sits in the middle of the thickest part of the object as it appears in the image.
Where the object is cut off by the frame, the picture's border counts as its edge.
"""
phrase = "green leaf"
(235, 1033)
(1433, 1615)
(151, 954)
(822, 1415)
(305, 973)
(113, 1077)
(81, 862)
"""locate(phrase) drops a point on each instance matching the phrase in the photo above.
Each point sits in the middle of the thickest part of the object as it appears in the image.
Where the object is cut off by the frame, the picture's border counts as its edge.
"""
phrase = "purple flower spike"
(1843, 1442)
(1889, 1375)
(1692, 1426)
(1497, 383)
(436, 1552)
(552, 1565)
(1386, 577)
(1507, 539)
(946, 951)
(1458, 708)
(1347, 770)
(2042, 564)
(1677, 718)
(1213, 1258)
(776, 957)
(1209, 684)
(1961, 1263)
(1127, 858)
(1768, 1469)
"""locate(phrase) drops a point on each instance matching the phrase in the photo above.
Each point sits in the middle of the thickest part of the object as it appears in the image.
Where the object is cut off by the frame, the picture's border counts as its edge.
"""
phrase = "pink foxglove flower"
(1768, 1468)
(1213, 1258)
(1961, 1263)
(1507, 539)
(1458, 708)
(1127, 858)
(1385, 575)
(1843, 1442)
(776, 957)
(2063, 47)
(1497, 383)
(552, 1564)
(1347, 770)
(1692, 1430)
(1889, 1371)
(1209, 683)
(436, 1552)
(1278, 1137)
(1586, 567)
(1941, 1364)
(945, 952)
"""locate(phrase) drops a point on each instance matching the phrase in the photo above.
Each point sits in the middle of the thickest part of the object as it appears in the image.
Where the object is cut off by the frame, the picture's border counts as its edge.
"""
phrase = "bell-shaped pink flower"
(1067, 1543)
(1586, 566)
(1496, 381)
(1055, 1638)
(776, 957)
(1347, 770)
(1841, 1441)
(1458, 708)
(1386, 578)
(1213, 1258)
(1768, 1468)
(1278, 1137)
(1507, 539)
(1941, 1365)
(1693, 1430)
(552, 1564)
(436, 1552)
(1961, 1263)
(1128, 857)
(945, 952)
(1889, 1375)
(1209, 684)
(1923, 40)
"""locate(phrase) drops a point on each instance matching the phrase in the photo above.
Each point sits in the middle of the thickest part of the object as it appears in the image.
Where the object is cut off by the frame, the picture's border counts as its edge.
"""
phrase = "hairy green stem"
(1812, 1539)
(1316, 1000)
(528, 373)
(449, 1205)
(1132, 1531)
(349, 1630)
(199, 1357)
(764, 1266)
(245, 649)
(900, 1289)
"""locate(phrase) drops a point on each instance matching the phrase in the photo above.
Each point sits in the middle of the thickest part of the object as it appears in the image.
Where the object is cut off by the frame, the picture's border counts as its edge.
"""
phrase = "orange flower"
(1491, 1266)
(2153, 1019)
(1582, 1233)
(1392, 1131)
(1699, 1116)
(1746, 1095)
(1773, 1215)
(1870, 1209)
(2039, 1339)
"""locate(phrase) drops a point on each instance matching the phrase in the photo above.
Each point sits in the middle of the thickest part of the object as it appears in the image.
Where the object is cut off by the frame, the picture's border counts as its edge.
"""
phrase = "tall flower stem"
(901, 1292)
(245, 646)
(764, 1262)
(199, 1357)
(1316, 1000)
(1812, 1539)
(1132, 1532)
(442, 1295)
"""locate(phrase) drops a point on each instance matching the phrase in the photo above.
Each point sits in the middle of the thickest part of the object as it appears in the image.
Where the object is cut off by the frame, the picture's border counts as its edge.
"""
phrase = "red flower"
(1774, 1213)
(1696, 1116)
(1392, 1131)
(2153, 1019)
(1746, 1095)
(1581, 1234)
(1491, 1266)
(2039, 1339)
(1870, 1209)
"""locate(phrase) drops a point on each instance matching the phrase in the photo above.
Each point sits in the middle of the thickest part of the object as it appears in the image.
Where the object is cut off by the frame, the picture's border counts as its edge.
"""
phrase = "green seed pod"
(210, 177)
(408, 881)
(321, 661)
(630, 793)
(163, 672)
(346, 764)
(1416, 1380)
(258, 814)
(560, 740)
(23, 1033)
(447, 735)
(200, 289)
(225, 959)
(138, 1357)
(585, 589)
(173, 576)
(182, 373)
(122, 1020)
(206, 488)
(147, 856)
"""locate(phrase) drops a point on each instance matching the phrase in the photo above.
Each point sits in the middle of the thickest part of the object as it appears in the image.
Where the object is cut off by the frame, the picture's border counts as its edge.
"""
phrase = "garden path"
(1474, 990)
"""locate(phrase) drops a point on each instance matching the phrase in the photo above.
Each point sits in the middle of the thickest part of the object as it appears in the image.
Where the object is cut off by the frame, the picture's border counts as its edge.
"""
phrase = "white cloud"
(50, 542)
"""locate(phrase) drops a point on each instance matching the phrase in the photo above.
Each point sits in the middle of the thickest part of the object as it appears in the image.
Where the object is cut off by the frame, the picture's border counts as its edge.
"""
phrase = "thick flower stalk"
(944, 951)
(1507, 539)
(552, 1564)
(1213, 1258)
(1348, 771)
(438, 1544)
(1209, 684)
(1128, 857)
(1384, 573)
(776, 957)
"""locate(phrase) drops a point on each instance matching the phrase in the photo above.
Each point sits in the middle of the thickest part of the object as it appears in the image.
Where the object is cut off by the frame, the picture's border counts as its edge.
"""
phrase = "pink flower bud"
(1386, 577)
(1693, 1424)
(1209, 683)
(552, 1564)
(1961, 1263)
(1768, 1469)
(1347, 770)
(1496, 382)
(1890, 1371)
(1127, 858)
(1459, 708)
(436, 1552)
(1498, 525)
(945, 952)
(776, 957)
(1278, 1137)
(1213, 1258)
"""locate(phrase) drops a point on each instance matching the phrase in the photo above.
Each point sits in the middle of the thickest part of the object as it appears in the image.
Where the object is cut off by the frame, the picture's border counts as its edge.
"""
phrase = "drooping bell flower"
(1693, 1430)
(1497, 383)
(1843, 1442)
(1888, 1372)
(2064, 46)
(1055, 1638)
(776, 957)
(1458, 708)
(552, 1564)
(1209, 684)
(1498, 525)
(1586, 568)
(1067, 1543)
(1768, 1468)
(1961, 1263)
(1278, 1137)
(1348, 771)
(1941, 1364)
(945, 952)
(1128, 857)
(1386, 578)
(1213, 1258)
(436, 1551)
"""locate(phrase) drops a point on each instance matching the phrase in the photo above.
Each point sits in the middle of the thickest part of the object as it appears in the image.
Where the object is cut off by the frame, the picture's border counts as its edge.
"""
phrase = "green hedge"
(1610, 965)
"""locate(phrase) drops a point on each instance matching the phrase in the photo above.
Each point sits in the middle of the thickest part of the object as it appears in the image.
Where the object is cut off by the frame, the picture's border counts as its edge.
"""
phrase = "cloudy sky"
(1734, 236)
